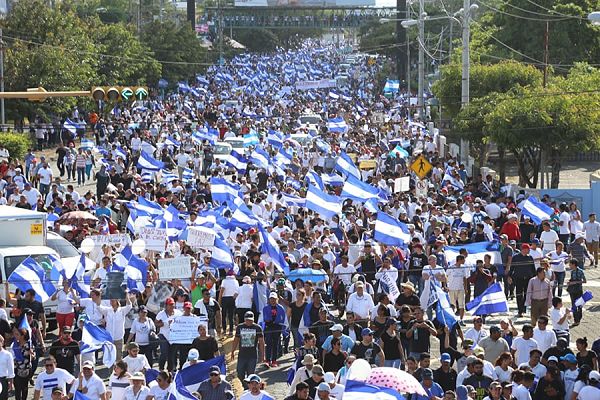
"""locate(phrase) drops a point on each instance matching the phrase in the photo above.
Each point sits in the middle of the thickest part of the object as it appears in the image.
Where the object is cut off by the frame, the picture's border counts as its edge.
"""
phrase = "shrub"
(17, 144)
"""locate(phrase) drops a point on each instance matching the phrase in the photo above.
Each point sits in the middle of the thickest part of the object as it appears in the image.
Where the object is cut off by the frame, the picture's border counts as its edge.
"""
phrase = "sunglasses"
(49, 365)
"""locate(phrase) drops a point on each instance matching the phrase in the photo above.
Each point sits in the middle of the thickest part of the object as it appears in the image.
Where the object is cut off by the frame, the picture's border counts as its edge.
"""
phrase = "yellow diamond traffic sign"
(421, 166)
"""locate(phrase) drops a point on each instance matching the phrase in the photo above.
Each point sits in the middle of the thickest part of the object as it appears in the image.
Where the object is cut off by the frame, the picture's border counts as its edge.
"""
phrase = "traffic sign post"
(421, 188)
(421, 167)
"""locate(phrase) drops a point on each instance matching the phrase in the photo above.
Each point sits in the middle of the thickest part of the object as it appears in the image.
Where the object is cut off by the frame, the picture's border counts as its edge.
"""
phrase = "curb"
(231, 376)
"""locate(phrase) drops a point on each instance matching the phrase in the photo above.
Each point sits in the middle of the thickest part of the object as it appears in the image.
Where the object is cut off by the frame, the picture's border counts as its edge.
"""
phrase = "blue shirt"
(345, 340)
(434, 390)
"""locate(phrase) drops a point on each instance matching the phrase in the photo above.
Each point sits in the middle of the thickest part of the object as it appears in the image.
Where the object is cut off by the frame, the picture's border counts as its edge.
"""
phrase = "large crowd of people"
(284, 273)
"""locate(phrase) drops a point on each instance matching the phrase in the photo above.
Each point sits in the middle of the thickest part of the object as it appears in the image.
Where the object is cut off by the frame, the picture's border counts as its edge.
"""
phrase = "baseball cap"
(495, 329)
(193, 355)
(427, 374)
(253, 378)
(462, 393)
(366, 332)
(595, 376)
(525, 246)
(28, 311)
(187, 304)
(535, 241)
(552, 358)
(445, 357)
(170, 300)
(249, 315)
(337, 328)
(471, 359)
(570, 358)
(273, 295)
(214, 370)
(57, 390)
(323, 387)
(317, 370)
(329, 377)
(88, 364)
(467, 343)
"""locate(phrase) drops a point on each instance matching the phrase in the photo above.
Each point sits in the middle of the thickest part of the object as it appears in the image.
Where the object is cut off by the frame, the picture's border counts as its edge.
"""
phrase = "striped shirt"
(46, 382)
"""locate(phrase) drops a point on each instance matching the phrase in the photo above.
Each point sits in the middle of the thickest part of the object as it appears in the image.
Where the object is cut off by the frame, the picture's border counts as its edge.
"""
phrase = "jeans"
(182, 349)
(44, 189)
(61, 167)
(578, 314)
(80, 175)
(272, 339)
(559, 280)
(245, 367)
(147, 350)
(21, 388)
(227, 312)
(392, 363)
(417, 281)
(166, 354)
(88, 171)
(70, 172)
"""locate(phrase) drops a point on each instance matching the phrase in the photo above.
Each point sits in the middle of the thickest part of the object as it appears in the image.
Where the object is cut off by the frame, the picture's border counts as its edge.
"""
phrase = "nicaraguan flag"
(476, 251)
(448, 179)
(491, 301)
(168, 176)
(332, 179)
(171, 141)
(585, 297)
(444, 313)
(94, 337)
(292, 200)
(314, 178)
(390, 231)
(72, 126)
(31, 275)
(79, 281)
(324, 204)
(221, 255)
(251, 139)
(237, 161)
(146, 161)
(537, 210)
(399, 152)
(120, 152)
(187, 175)
(337, 124)
(391, 86)
(260, 158)
(135, 268)
(66, 272)
(188, 379)
(271, 247)
(345, 166)
(147, 176)
(148, 207)
(201, 135)
(355, 390)
(358, 190)
(87, 144)
(183, 87)
(222, 190)
(80, 396)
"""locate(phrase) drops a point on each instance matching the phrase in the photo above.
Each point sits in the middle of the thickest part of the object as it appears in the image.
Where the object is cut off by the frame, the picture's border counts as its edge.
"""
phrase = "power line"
(521, 16)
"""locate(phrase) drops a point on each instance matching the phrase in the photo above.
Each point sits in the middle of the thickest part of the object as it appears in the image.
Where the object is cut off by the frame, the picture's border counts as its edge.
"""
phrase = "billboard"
(304, 3)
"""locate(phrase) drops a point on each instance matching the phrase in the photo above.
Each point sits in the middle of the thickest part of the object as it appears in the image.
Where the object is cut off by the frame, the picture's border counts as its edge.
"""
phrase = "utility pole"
(2, 116)
(401, 37)
(220, 32)
(466, 36)
(421, 62)
(546, 53)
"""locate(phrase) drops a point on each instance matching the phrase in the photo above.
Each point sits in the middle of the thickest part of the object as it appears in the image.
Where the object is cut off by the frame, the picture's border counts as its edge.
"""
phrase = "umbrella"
(77, 217)
(308, 274)
(397, 379)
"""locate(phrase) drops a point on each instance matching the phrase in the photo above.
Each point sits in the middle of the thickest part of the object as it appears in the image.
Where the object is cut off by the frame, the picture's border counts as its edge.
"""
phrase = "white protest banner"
(392, 289)
(111, 240)
(200, 237)
(184, 329)
(321, 84)
(155, 238)
(402, 184)
(175, 268)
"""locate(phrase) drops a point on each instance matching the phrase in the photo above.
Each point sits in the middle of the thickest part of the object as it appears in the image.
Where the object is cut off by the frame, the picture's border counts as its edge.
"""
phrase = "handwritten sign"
(155, 238)
(184, 329)
(392, 288)
(402, 184)
(200, 237)
(160, 292)
(171, 268)
(111, 240)
(320, 84)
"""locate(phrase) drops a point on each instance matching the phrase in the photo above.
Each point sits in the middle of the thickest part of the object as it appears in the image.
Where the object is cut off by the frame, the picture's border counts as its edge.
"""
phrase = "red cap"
(187, 304)
(162, 200)
(262, 264)
(170, 300)
(525, 246)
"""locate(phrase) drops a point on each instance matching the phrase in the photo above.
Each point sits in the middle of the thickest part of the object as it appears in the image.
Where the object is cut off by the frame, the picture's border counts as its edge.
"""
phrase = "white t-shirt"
(230, 286)
(565, 218)
(520, 392)
(475, 335)
(117, 387)
(166, 319)
(247, 395)
(64, 305)
(569, 378)
(45, 175)
(95, 386)
(539, 370)
(522, 348)
(136, 364)
(142, 394)
(46, 382)
(159, 394)
(589, 393)
(142, 331)
(545, 339)
(557, 261)
(345, 273)
(245, 296)
(549, 238)
(456, 276)
(556, 315)
(503, 376)
(537, 255)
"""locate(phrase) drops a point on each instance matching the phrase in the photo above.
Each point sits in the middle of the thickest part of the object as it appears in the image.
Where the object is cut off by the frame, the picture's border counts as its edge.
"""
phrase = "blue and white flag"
(536, 210)
(135, 268)
(449, 179)
(292, 200)
(272, 249)
(251, 139)
(390, 231)
(475, 251)
(80, 396)
(65, 271)
(358, 190)
(337, 124)
(171, 141)
(221, 256)
(491, 301)
(73, 126)
(223, 190)
(399, 152)
(324, 204)
(201, 135)
(391, 86)
(237, 161)
(444, 312)
(585, 297)
(260, 158)
(183, 87)
(315, 179)
(147, 176)
(345, 166)
(168, 176)
(332, 179)
(355, 390)
(79, 281)
(188, 379)
(94, 337)
(146, 161)
(87, 144)
(120, 152)
(147, 207)
(31, 275)
(187, 175)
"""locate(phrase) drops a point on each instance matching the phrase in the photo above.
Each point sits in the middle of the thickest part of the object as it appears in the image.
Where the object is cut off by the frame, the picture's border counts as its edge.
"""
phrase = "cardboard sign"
(321, 84)
(160, 292)
(367, 164)
(111, 240)
(402, 184)
(184, 329)
(200, 237)
(155, 238)
(175, 268)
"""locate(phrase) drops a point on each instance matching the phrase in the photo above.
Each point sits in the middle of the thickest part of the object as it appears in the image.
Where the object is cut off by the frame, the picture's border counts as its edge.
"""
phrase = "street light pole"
(421, 62)
(465, 82)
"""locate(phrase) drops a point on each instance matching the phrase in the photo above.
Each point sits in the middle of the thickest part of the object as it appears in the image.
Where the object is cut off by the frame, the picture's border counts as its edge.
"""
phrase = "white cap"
(337, 328)
(273, 295)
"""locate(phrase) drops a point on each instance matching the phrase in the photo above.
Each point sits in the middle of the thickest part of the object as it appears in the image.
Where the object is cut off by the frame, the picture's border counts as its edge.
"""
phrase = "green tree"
(177, 49)
(257, 40)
